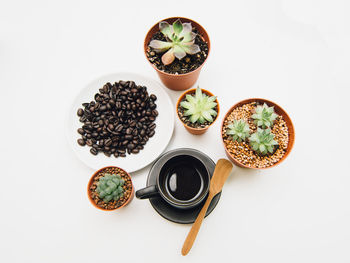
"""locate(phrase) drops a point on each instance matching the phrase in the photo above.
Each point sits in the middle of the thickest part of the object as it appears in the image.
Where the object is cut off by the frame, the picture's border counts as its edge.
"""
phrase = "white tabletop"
(295, 53)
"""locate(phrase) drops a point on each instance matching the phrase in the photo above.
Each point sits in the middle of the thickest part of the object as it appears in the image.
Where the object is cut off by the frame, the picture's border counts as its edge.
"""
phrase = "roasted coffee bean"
(119, 128)
(128, 131)
(81, 131)
(151, 133)
(80, 112)
(153, 97)
(151, 118)
(152, 126)
(89, 142)
(93, 151)
(135, 151)
(155, 113)
(131, 146)
(108, 142)
(128, 137)
(81, 142)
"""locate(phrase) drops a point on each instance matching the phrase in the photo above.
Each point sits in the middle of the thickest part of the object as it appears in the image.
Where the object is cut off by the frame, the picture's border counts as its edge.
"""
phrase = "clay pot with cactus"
(257, 133)
(110, 188)
(197, 109)
(177, 48)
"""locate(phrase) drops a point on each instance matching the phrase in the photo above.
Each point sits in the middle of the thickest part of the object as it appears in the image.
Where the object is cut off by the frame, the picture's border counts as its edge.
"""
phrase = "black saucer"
(181, 216)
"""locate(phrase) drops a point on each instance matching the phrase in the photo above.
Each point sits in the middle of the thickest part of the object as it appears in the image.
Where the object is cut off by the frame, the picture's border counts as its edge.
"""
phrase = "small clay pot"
(180, 81)
(91, 181)
(196, 131)
(279, 111)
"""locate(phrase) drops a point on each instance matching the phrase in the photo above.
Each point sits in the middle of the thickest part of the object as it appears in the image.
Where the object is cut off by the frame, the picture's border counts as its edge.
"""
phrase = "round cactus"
(199, 107)
(239, 130)
(109, 187)
(263, 141)
(264, 116)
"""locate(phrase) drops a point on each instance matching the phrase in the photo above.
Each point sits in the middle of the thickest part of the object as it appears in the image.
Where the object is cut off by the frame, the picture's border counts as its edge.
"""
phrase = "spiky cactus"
(264, 116)
(200, 107)
(239, 130)
(109, 187)
(180, 41)
(262, 141)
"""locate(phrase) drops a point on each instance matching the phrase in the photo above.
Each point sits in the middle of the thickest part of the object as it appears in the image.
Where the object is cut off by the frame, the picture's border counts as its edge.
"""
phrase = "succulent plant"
(180, 41)
(264, 116)
(200, 107)
(263, 141)
(239, 130)
(109, 187)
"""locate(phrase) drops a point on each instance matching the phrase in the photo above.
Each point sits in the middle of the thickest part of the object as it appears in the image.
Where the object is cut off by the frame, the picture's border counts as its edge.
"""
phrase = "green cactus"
(199, 107)
(239, 130)
(109, 187)
(263, 141)
(264, 116)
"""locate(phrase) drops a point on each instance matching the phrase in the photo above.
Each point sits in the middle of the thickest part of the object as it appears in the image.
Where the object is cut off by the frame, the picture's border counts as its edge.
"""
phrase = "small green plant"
(264, 116)
(239, 130)
(109, 187)
(263, 141)
(180, 41)
(200, 107)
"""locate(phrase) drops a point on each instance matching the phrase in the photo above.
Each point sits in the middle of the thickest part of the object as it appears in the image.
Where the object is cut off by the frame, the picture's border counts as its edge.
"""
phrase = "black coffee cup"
(182, 181)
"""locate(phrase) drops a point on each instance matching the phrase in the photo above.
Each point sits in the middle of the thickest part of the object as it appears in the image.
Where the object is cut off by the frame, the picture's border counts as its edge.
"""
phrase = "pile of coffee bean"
(120, 120)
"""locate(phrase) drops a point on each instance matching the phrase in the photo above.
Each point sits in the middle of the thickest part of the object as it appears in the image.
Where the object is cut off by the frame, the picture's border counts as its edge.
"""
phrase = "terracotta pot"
(181, 81)
(91, 181)
(279, 111)
(196, 131)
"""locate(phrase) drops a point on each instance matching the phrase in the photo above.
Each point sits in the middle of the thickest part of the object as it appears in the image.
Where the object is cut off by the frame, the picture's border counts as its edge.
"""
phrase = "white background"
(295, 53)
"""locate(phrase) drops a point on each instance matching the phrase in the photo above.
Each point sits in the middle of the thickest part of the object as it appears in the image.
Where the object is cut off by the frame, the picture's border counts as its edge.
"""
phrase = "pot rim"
(145, 45)
(192, 91)
(291, 133)
(91, 180)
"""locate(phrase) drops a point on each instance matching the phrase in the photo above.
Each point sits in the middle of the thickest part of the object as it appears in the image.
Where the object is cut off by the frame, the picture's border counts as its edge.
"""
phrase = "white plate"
(155, 145)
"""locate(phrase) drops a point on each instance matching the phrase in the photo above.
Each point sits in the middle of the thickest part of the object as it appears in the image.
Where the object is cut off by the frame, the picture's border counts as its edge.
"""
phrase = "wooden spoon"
(222, 171)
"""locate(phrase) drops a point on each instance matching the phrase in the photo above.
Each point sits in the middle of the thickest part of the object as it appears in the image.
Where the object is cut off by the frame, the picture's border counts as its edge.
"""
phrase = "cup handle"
(148, 192)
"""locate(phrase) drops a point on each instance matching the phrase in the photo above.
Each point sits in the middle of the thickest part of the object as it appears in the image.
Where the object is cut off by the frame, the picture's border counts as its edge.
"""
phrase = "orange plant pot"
(91, 181)
(180, 81)
(279, 111)
(196, 131)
